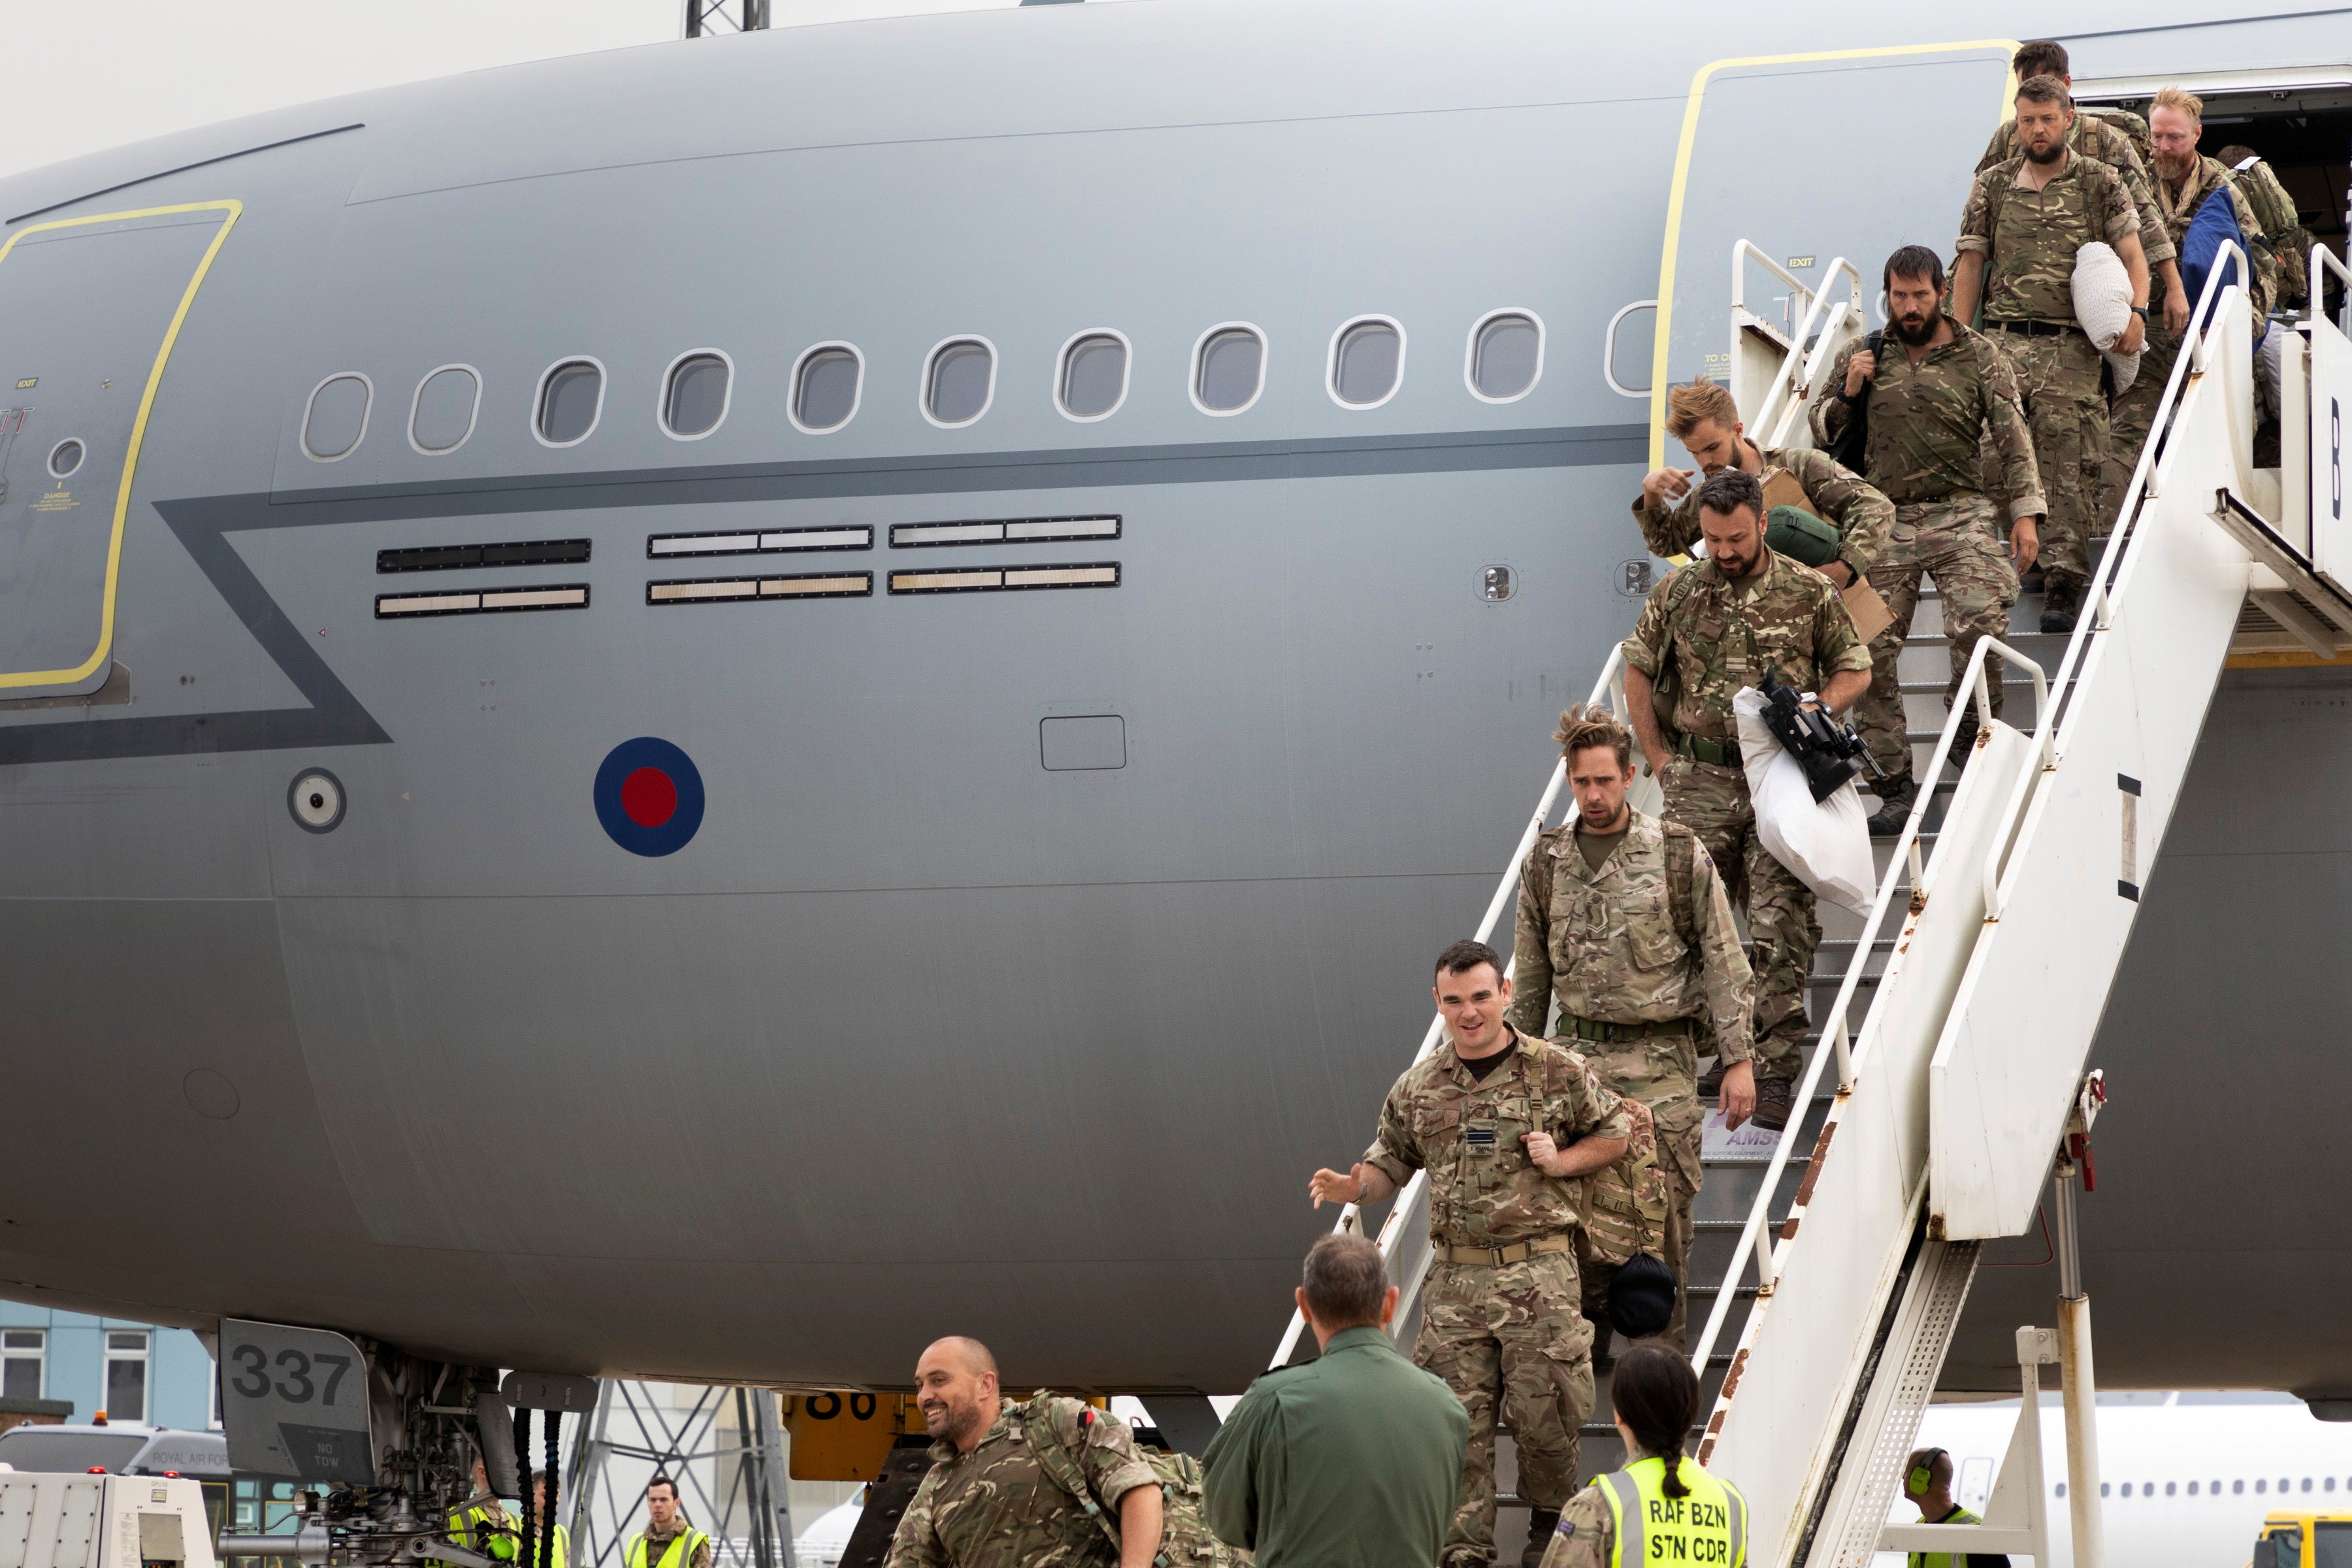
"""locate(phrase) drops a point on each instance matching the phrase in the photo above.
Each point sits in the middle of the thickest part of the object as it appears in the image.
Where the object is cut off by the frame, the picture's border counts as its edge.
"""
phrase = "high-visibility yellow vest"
(486, 1529)
(1707, 1528)
(1946, 1559)
(679, 1553)
(563, 1550)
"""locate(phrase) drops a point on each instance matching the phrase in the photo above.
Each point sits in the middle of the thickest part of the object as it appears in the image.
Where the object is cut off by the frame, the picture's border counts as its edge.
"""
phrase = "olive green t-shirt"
(1598, 846)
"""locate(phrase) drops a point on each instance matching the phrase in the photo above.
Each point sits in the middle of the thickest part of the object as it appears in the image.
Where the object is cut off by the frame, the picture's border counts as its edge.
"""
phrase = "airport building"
(68, 1366)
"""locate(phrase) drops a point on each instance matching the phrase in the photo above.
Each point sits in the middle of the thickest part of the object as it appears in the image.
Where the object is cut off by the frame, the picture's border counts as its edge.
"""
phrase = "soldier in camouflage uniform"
(2281, 223)
(1708, 631)
(989, 1502)
(1703, 416)
(2024, 222)
(1506, 1124)
(1623, 916)
(1938, 391)
(2183, 180)
(2114, 136)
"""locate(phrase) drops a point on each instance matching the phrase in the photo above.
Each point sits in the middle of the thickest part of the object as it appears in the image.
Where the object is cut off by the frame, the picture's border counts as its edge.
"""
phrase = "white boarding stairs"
(1956, 1076)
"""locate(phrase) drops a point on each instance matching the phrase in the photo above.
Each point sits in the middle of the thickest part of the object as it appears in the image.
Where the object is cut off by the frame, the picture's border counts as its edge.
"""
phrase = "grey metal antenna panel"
(1873, 1456)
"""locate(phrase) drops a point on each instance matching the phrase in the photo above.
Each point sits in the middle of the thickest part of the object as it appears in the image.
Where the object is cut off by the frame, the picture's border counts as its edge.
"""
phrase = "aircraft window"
(2062, 1490)
(695, 394)
(2103, 1488)
(443, 414)
(2170, 1488)
(2237, 1486)
(960, 382)
(2126, 1489)
(2262, 1485)
(2192, 1489)
(2307, 1483)
(826, 385)
(571, 400)
(1367, 362)
(1093, 382)
(2328, 1485)
(1506, 355)
(337, 417)
(65, 457)
(1228, 368)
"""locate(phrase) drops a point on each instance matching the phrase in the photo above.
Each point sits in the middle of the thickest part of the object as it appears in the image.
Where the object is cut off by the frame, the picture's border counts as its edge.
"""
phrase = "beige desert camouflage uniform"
(997, 1508)
(2093, 136)
(2135, 411)
(2029, 239)
(1611, 945)
(1862, 516)
(1515, 1329)
(1719, 637)
(1927, 422)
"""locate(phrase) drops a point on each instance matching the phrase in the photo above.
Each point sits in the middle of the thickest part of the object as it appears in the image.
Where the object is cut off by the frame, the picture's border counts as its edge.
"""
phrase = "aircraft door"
(1809, 158)
(89, 308)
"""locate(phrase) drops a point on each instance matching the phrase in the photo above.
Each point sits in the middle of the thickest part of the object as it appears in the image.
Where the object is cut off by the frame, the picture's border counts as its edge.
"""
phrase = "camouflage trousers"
(1956, 542)
(2068, 413)
(2133, 415)
(1713, 802)
(1679, 1153)
(1517, 1335)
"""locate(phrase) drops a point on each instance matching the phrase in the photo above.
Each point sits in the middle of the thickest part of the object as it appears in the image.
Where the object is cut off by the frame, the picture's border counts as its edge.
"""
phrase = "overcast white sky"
(87, 74)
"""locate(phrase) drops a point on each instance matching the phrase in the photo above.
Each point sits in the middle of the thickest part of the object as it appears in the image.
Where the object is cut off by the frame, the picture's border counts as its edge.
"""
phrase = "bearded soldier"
(2024, 223)
(1936, 390)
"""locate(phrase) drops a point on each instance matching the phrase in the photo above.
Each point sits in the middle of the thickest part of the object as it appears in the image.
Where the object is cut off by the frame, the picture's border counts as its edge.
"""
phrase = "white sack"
(2102, 287)
(1825, 843)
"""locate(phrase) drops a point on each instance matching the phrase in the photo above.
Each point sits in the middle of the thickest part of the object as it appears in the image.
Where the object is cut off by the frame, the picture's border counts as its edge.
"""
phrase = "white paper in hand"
(1825, 843)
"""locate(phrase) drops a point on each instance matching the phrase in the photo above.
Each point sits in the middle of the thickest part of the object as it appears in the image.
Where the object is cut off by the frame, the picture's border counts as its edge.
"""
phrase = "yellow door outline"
(235, 209)
(1682, 179)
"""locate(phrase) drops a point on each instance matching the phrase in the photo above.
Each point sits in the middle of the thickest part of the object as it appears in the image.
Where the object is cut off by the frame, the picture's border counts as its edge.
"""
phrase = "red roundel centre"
(649, 797)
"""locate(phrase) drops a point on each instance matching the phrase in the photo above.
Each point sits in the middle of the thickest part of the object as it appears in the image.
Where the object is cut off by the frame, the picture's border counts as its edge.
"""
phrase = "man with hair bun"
(1702, 416)
(1506, 1124)
(1353, 1460)
(1624, 919)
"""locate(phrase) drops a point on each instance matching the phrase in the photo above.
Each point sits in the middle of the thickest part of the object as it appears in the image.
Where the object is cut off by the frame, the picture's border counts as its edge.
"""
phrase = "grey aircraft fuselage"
(913, 1032)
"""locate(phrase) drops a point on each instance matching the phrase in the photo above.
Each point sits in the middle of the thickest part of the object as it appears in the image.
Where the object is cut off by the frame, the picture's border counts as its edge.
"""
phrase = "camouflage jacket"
(1865, 519)
(2029, 237)
(996, 1507)
(1484, 1191)
(2095, 137)
(1720, 637)
(657, 1542)
(1926, 419)
(1634, 942)
(2178, 205)
(2283, 224)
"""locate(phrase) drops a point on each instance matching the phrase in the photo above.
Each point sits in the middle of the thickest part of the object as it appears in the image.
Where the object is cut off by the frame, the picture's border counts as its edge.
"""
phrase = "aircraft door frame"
(43, 681)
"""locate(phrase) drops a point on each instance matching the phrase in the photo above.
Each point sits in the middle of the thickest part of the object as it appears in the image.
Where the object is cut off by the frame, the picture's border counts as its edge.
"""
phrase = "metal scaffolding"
(745, 1509)
(710, 18)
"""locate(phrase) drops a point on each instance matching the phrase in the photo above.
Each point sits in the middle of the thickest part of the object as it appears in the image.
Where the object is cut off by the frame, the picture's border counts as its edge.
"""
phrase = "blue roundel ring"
(649, 797)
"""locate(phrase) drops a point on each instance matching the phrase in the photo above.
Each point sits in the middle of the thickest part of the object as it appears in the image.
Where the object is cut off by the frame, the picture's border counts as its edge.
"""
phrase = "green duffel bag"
(1801, 536)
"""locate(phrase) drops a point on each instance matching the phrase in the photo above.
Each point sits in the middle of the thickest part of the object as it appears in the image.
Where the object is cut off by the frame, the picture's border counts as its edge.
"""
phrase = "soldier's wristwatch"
(2140, 311)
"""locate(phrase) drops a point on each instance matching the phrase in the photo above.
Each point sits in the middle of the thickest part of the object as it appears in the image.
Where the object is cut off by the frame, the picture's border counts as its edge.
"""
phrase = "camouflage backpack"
(1185, 1539)
(1626, 1203)
(2134, 129)
(2282, 226)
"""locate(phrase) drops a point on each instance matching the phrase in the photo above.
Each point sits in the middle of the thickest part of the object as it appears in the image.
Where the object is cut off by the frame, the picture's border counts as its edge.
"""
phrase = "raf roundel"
(649, 797)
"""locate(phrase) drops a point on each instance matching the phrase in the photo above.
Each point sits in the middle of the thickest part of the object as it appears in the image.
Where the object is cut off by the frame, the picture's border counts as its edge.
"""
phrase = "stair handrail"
(2098, 610)
(2322, 261)
(1751, 1242)
(1784, 379)
(1612, 684)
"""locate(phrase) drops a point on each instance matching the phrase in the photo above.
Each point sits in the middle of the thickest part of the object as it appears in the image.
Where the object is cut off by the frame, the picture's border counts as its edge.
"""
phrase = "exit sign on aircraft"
(1797, 263)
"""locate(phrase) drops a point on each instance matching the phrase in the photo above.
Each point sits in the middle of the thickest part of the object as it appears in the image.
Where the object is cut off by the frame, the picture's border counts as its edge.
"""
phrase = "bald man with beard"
(989, 1502)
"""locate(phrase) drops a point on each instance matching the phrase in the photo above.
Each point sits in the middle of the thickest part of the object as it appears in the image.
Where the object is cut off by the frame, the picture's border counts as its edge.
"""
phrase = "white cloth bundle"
(2103, 305)
(1826, 843)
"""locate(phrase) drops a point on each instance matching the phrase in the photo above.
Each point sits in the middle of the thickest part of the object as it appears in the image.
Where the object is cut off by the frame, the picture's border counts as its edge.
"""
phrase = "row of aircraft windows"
(2212, 1488)
(1501, 363)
